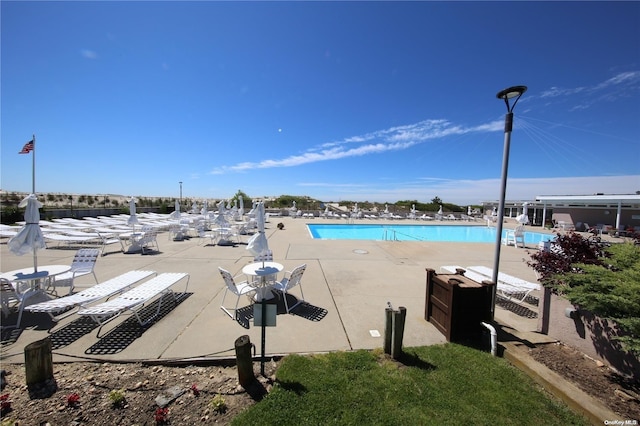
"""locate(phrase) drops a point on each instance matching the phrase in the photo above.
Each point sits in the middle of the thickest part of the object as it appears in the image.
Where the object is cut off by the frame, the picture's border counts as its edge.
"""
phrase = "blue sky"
(364, 101)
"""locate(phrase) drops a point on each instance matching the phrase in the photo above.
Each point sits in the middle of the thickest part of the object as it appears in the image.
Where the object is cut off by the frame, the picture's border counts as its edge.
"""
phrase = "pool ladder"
(389, 235)
(392, 235)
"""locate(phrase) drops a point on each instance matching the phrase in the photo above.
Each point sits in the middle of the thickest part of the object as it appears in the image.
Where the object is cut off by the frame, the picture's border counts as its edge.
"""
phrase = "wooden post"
(244, 361)
(399, 317)
(388, 330)
(544, 311)
(38, 362)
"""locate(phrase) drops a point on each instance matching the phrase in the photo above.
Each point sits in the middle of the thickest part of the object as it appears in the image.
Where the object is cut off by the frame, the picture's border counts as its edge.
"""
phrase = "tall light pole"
(180, 193)
(507, 95)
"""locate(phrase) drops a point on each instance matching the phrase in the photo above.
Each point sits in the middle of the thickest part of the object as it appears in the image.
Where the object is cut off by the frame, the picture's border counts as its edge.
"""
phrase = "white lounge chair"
(7, 231)
(92, 294)
(508, 285)
(453, 269)
(70, 240)
(133, 300)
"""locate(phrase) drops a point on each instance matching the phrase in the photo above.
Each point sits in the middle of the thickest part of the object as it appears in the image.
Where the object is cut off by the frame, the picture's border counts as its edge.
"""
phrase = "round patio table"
(28, 275)
(263, 270)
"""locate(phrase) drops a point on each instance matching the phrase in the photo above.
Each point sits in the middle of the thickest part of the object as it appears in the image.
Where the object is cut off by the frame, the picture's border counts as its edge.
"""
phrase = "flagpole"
(33, 166)
(33, 190)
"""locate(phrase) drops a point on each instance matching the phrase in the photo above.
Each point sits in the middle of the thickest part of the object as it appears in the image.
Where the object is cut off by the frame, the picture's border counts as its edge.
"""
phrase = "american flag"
(27, 148)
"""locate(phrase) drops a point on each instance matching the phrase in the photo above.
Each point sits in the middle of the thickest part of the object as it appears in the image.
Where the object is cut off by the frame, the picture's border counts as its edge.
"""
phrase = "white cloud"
(609, 90)
(622, 78)
(88, 54)
(392, 139)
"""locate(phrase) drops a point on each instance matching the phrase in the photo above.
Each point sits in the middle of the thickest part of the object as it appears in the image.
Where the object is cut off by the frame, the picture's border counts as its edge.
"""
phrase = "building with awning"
(611, 210)
(616, 210)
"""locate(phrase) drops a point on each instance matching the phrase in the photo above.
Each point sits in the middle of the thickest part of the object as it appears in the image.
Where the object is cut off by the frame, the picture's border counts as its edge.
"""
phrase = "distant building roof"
(605, 199)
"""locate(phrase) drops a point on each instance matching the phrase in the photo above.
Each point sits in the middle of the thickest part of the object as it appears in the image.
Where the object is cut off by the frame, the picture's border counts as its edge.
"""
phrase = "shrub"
(117, 397)
(600, 278)
(218, 404)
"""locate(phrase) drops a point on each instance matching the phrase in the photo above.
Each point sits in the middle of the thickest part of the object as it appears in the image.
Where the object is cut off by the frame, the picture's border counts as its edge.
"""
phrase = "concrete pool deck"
(347, 286)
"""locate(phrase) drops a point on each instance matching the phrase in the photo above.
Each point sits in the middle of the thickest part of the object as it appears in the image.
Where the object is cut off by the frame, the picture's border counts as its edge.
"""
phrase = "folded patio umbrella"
(523, 218)
(29, 238)
(133, 219)
(176, 213)
(258, 244)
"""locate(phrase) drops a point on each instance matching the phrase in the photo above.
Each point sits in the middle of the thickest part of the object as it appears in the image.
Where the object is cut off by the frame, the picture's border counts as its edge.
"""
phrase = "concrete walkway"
(347, 286)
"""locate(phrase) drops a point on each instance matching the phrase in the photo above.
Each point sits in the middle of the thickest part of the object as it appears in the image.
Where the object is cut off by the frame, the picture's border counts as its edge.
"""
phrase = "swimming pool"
(441, 233)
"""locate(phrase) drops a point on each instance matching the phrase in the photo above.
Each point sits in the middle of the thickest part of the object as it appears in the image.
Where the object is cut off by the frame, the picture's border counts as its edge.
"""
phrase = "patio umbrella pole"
(264, 334)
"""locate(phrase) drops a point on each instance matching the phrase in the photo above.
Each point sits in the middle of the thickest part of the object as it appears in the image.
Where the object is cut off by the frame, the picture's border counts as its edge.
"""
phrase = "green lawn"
(441, 384)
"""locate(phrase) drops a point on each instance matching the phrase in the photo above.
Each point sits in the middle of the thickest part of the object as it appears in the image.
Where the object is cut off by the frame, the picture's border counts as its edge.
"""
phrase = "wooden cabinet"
(456, 305)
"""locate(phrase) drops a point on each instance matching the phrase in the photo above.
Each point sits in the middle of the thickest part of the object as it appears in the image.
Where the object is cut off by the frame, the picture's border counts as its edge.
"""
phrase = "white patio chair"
(234, 233)
(108, 239)
(203, 235)
(83, 263)
(514, 237)
(149, 239)
(267, 257)
(10, 298)
(176, 232)
(287, 283)
(239, 289)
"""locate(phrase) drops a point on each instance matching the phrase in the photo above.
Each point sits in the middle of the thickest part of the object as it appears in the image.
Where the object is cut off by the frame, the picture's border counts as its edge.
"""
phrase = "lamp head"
(511, 92)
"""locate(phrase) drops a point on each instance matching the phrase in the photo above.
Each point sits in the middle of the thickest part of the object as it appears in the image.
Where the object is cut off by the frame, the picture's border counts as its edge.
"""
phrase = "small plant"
(73, 400)
(195, 390)
(161, 416)
(117, 397)
(5, 404)
(218, 404)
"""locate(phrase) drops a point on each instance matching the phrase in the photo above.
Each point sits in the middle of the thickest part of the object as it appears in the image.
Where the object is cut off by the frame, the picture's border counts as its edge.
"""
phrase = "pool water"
(442, 233)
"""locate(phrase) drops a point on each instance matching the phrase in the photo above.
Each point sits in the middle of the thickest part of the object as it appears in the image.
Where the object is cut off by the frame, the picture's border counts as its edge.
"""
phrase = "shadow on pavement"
(516, 308)
(129, 330)
(304, 310)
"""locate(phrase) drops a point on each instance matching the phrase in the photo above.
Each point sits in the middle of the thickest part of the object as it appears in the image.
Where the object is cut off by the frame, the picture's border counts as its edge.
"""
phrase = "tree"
(246, 200)
(436, 200)
(569, 249)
